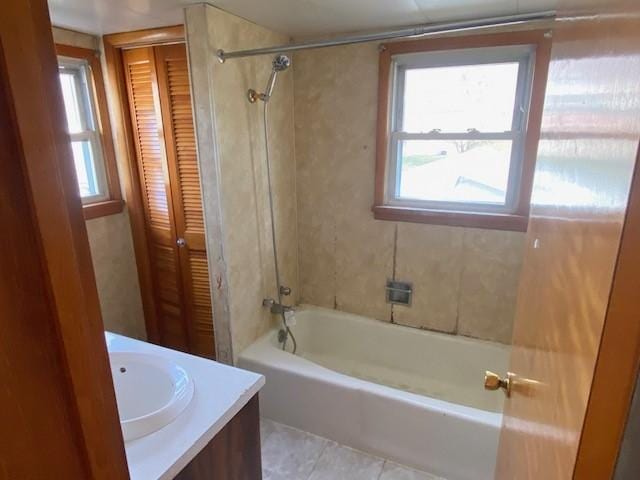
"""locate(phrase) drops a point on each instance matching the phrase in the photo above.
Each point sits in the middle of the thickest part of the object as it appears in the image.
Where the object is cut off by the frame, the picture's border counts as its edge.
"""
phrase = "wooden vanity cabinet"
(234, 453)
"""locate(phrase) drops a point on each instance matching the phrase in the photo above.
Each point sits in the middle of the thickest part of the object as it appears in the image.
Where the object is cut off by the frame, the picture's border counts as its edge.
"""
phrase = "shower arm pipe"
(415, 31)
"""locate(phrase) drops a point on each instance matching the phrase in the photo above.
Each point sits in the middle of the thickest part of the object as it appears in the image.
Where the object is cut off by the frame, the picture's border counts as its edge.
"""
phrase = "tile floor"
(290, 454)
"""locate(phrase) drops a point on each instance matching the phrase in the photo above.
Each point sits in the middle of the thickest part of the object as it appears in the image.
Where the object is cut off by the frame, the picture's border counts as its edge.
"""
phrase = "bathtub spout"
(275, 307)
(279, 309)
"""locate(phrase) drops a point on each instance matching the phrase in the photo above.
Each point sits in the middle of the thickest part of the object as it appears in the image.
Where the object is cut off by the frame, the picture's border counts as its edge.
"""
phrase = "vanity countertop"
(220, 392)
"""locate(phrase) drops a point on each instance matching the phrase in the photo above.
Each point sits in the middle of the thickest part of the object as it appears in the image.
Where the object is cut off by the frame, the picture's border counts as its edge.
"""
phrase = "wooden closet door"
(146, 119)
(177, 118)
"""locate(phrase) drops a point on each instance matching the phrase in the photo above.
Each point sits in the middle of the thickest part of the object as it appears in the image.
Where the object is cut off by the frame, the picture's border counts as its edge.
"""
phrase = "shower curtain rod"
(415, 31)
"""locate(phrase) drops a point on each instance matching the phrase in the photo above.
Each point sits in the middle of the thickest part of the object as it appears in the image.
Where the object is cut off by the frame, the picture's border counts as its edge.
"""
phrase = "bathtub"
(409, 395)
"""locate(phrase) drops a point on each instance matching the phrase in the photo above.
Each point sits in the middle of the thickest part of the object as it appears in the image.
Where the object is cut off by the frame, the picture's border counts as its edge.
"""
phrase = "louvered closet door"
(175, 99)
(146, 119)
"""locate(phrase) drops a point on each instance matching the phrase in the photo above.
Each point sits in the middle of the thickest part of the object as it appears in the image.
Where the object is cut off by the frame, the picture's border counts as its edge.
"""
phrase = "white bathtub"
(409, 395)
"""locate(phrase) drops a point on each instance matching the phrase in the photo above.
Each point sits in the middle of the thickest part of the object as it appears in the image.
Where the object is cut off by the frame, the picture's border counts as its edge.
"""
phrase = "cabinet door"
(177, 118)
(153, 175)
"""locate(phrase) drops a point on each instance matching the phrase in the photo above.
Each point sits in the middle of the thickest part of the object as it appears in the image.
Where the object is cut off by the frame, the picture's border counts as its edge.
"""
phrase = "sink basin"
(151, 392)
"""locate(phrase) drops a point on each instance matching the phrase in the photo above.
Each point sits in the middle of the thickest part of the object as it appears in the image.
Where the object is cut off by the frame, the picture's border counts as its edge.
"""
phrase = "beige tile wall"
(239, 157)
(343, 252)
(116, 273)
(323, 125)
(431, 257)
(465, 280)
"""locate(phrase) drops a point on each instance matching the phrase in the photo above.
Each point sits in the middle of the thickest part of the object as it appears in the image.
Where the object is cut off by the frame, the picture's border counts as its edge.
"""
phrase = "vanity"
(185, 417)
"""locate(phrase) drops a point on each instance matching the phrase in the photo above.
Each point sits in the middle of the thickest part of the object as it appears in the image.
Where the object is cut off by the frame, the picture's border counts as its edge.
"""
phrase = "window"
(459, 139)
(87, 124)
(79, 104)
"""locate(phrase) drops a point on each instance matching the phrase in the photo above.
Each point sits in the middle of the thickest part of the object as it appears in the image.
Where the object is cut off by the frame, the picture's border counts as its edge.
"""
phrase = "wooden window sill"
(102, 209)
(491, 221)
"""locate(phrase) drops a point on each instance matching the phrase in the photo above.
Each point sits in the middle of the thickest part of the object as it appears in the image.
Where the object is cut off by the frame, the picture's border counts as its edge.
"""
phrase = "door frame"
(113, 45)
(72, 334)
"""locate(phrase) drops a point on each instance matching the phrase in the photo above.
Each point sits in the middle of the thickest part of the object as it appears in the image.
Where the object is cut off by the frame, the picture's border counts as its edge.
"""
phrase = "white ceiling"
(297, 18)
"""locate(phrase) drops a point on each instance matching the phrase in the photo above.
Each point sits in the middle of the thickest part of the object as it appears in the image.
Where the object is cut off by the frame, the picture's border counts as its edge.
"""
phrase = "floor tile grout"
(262, 440)
(382, 469)
(315, 464)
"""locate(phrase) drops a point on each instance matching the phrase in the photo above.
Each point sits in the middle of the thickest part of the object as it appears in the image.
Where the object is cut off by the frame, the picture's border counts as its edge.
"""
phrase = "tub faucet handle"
(286, 291)
(268, 302)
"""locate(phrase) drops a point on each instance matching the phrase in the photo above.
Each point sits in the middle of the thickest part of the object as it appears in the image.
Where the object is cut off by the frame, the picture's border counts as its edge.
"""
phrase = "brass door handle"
(493, 381)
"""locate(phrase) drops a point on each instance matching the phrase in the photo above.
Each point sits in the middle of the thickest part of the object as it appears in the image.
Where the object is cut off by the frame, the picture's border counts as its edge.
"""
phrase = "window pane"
(458, 98)
(85, 168)
(465, 171)
(71, 98)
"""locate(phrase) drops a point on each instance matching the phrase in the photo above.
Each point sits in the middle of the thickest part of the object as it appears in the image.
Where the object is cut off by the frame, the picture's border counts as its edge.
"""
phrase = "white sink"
(151, 392)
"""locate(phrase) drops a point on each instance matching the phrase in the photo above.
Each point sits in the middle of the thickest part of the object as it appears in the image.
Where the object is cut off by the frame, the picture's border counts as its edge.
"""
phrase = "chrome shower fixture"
(280, 63)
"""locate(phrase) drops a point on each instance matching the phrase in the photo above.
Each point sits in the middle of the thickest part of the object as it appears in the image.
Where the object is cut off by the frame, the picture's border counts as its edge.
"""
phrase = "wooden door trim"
(114, 44)
(516, 221)
(113, 204)
(63, 245)
(146, 38)
(618, 358)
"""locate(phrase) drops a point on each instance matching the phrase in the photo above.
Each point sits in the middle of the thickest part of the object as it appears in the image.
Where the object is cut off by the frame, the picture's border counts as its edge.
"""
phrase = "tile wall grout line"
(333, 101)
(395, 252)
(298, 283)
(395, 264)
(461, 275)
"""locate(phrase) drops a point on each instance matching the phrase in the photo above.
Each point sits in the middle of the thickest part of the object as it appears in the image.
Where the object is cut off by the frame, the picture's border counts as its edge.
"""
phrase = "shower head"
(279, 64)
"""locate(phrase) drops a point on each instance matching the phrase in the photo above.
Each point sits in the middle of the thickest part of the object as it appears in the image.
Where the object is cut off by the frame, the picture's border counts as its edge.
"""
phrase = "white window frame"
(522, 54)
(81, 70)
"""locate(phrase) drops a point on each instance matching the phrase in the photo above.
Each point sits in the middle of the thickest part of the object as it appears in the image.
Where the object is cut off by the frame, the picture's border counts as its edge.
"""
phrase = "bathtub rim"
(443, 336)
